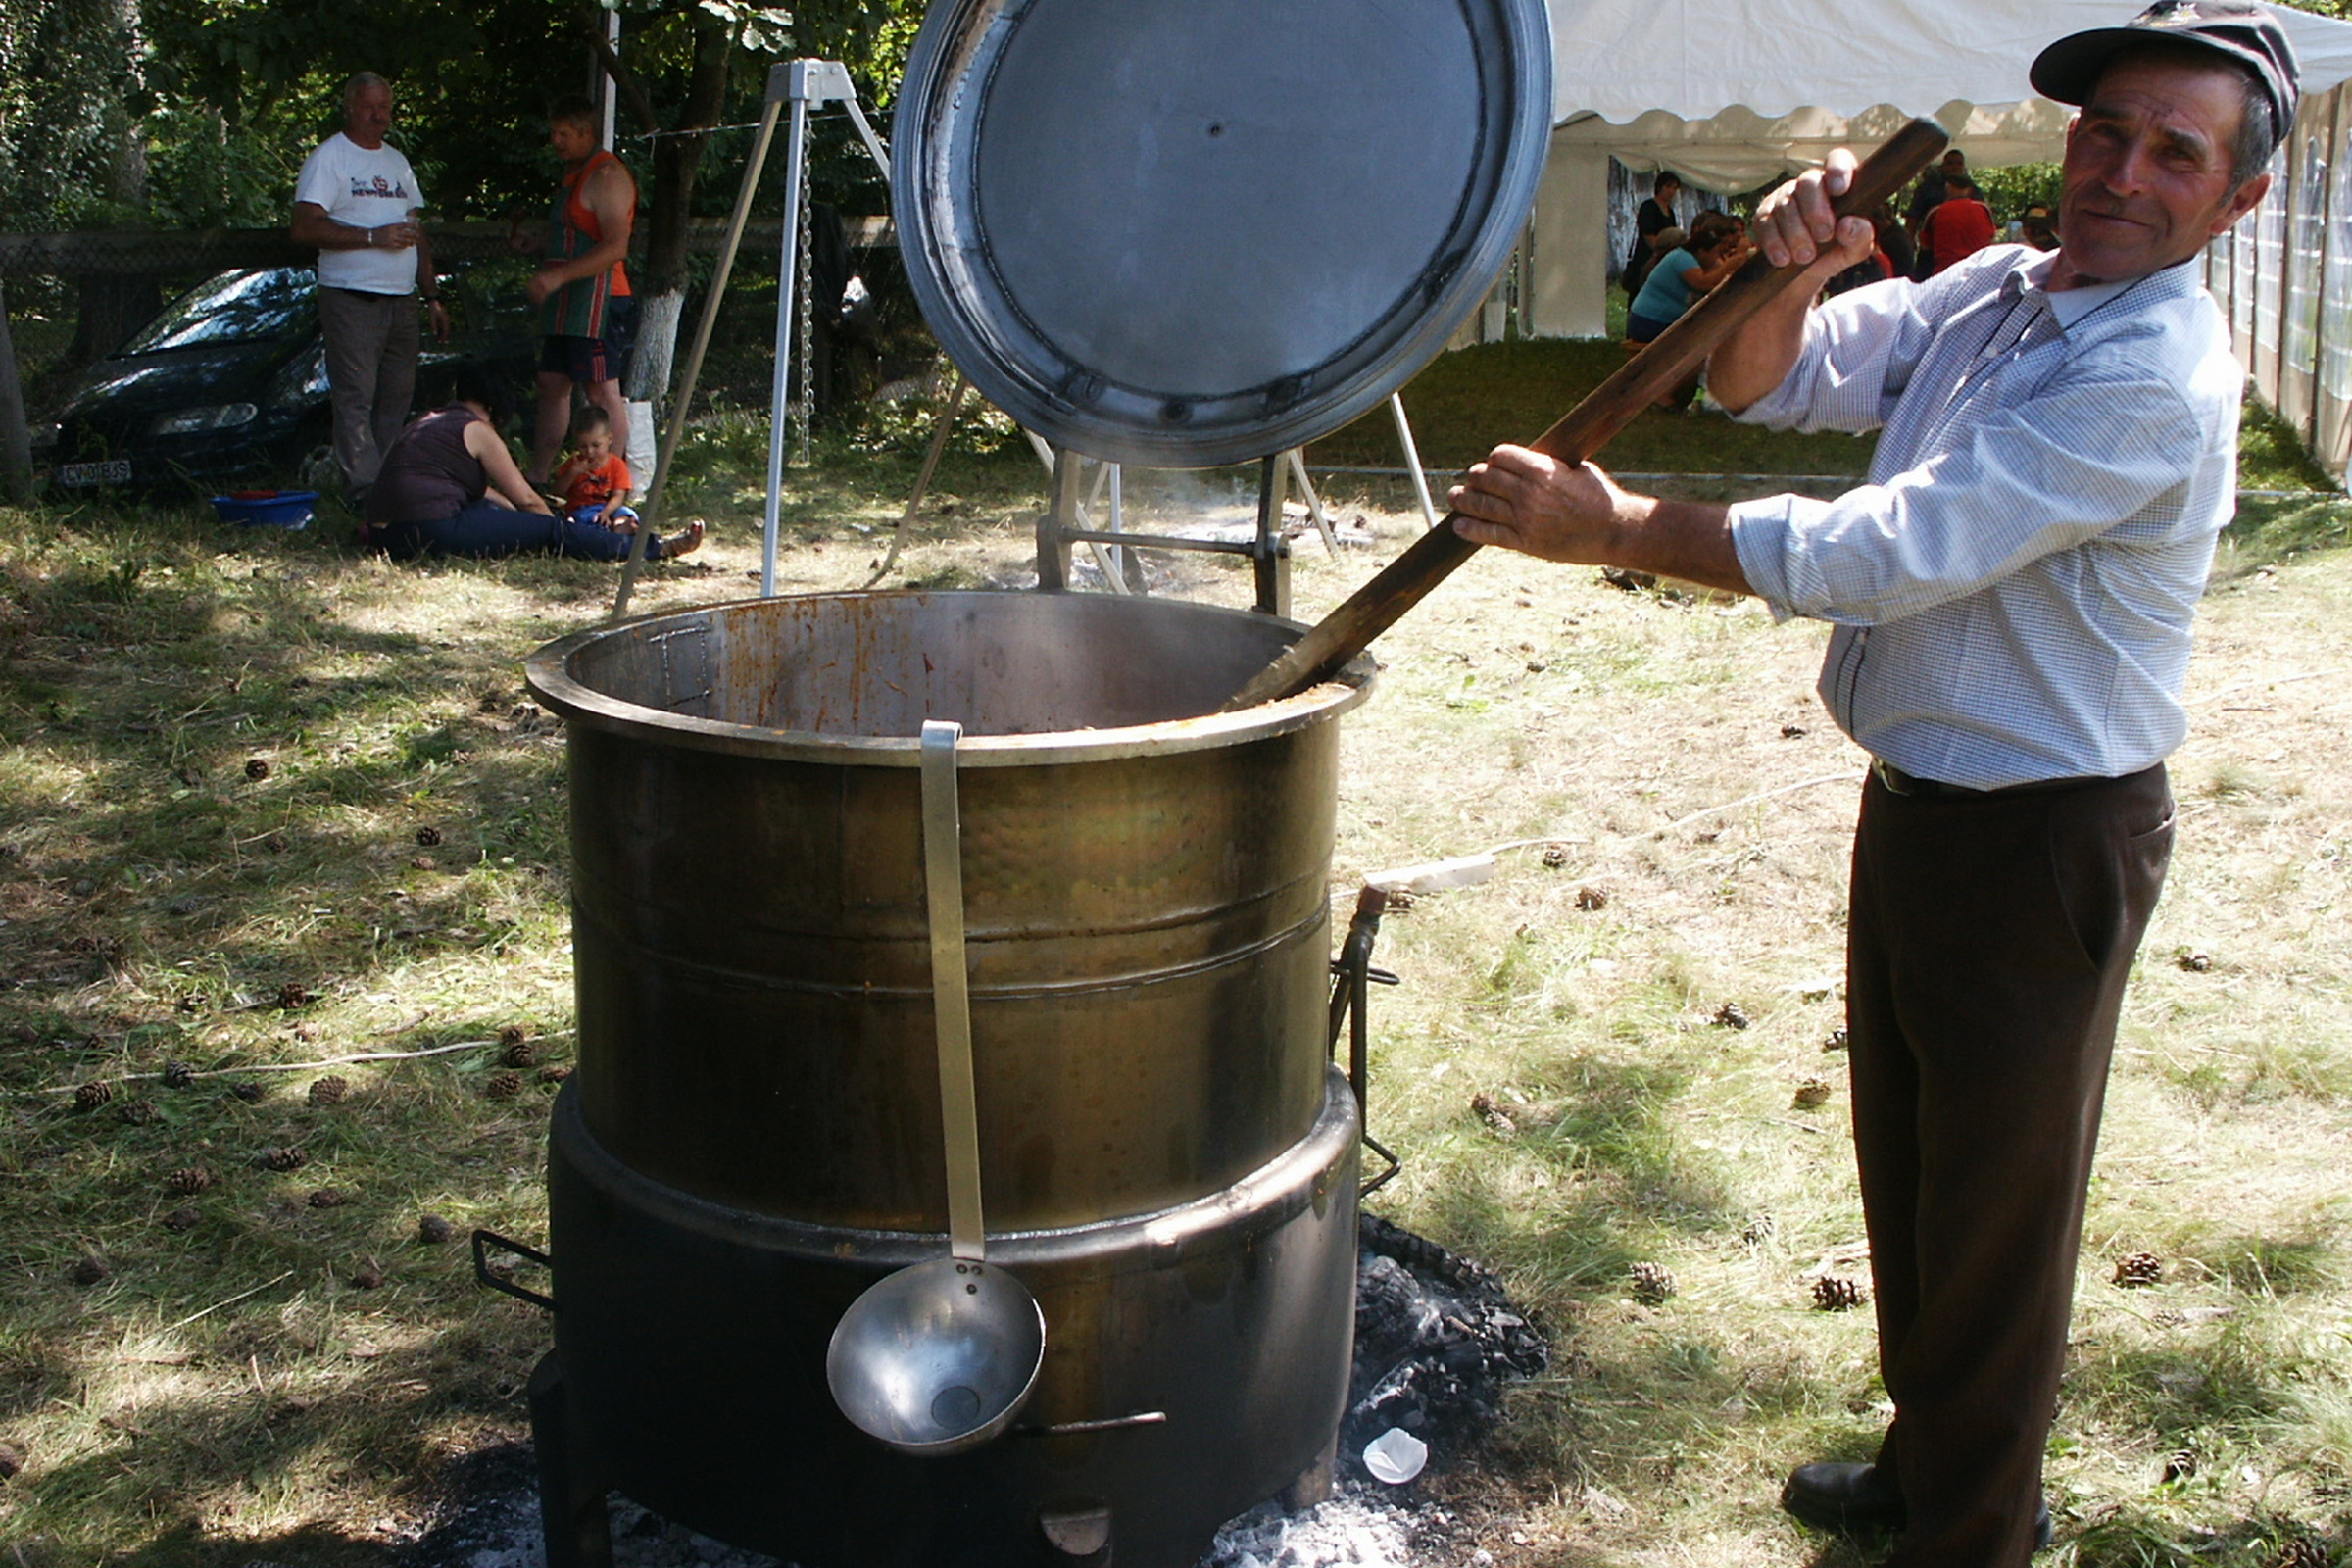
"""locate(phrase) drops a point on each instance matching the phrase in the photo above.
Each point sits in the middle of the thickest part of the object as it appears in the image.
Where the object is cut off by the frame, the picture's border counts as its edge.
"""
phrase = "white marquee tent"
(1731, 92)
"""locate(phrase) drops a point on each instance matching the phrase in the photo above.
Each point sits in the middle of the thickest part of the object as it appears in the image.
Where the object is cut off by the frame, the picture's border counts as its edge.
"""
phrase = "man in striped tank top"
(586, 313)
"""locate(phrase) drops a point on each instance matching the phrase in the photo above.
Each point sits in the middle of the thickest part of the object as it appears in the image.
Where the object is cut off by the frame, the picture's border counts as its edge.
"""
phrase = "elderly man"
(586, 313)
(356, 203)
(2012, 595)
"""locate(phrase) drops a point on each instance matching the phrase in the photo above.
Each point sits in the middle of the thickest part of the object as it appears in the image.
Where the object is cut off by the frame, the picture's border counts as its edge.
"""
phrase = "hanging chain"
(807, 403)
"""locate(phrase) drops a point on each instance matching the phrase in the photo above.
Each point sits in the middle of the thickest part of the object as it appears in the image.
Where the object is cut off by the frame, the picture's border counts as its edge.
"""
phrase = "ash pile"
(1436, 1341)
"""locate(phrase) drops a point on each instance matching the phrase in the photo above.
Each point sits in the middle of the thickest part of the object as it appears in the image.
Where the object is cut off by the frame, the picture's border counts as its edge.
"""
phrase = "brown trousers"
(1987, 948)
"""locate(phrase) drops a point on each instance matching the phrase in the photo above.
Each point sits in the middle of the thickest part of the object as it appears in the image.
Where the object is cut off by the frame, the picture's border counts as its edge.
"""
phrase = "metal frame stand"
(1065, 523)
(804, 83)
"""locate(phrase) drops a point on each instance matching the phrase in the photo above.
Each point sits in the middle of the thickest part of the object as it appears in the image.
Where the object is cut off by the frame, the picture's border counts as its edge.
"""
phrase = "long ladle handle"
(951, 989)
(1609, 409)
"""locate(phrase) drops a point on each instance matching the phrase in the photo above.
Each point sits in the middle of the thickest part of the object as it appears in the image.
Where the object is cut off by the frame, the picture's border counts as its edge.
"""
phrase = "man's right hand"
(1797, 223)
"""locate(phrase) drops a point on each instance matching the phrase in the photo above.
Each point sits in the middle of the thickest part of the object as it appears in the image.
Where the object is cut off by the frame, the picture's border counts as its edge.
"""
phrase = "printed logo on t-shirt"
(392, 189)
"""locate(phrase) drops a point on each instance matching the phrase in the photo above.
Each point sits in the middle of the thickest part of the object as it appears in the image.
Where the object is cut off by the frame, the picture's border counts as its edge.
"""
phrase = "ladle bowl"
(937, 1357)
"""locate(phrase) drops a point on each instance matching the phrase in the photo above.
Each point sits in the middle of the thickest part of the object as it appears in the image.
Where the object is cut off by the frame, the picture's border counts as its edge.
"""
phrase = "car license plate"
(113, 471)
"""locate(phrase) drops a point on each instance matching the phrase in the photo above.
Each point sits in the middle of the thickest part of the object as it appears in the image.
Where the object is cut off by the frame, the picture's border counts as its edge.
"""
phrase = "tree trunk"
(652, 361)
(112, 308)
(678, 161)
(16, 437)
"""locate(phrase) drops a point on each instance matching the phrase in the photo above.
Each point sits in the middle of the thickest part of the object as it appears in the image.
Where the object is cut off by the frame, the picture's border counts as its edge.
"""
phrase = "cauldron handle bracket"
(483, 1274)
(1352, 989)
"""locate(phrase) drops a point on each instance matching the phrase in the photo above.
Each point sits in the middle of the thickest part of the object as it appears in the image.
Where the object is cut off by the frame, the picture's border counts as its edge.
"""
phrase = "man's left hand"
(1539, 505)
(437, 313)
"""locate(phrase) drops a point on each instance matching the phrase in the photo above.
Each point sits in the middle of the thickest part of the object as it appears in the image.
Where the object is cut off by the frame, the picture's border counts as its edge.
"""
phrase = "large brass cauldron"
(753, 1132)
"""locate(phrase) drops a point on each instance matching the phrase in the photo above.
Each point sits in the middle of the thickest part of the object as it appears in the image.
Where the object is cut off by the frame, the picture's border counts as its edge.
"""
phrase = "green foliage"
(2011, 190)
(222, 99)
(73, 84)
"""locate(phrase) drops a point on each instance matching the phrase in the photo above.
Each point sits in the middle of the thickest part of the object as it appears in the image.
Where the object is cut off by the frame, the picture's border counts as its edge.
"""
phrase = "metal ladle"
(940, 1356)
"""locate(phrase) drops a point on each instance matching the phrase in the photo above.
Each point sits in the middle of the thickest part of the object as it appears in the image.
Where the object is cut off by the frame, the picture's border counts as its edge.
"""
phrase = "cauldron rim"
(549, 673)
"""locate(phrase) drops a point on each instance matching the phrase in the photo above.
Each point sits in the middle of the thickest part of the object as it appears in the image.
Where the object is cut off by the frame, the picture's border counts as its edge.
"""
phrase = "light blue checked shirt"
(2013, 588)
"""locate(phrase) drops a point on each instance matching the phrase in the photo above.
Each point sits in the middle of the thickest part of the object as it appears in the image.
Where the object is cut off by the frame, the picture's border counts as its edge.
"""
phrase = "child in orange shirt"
(595, 478)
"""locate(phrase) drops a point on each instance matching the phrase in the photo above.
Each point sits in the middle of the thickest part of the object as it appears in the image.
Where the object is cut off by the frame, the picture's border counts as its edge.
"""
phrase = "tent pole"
(1413, 460)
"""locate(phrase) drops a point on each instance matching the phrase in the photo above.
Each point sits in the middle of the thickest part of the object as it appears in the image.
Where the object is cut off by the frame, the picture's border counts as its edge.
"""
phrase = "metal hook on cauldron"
(940, 1356)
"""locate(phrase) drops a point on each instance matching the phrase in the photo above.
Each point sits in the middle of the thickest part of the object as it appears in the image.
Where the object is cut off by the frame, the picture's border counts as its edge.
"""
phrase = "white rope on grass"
(1684, 821)
(303, 1066)
(230, 1301)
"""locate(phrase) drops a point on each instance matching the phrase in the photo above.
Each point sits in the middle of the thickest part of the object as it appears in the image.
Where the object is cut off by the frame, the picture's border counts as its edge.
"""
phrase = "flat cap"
(2234, 29)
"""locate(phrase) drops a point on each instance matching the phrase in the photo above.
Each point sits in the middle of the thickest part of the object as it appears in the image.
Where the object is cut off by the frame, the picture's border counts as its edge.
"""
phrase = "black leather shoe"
(1844, 1497)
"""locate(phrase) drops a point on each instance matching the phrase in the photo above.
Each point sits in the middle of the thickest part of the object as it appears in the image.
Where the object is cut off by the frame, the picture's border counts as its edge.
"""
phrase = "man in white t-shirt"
(356, 203)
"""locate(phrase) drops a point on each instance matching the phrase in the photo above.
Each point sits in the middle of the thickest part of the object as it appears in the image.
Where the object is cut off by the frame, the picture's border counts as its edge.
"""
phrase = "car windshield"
(248, 307)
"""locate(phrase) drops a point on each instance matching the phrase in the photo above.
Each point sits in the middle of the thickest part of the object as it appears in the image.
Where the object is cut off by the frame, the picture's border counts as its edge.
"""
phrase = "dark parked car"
(229, 382)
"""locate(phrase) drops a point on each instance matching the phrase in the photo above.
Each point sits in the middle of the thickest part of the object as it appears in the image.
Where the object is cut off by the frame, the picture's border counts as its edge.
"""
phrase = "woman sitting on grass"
(450, 487)
(1716, 248)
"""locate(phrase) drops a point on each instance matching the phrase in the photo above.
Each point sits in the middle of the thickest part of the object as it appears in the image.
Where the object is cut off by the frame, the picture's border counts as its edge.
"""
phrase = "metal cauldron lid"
(1186, 232)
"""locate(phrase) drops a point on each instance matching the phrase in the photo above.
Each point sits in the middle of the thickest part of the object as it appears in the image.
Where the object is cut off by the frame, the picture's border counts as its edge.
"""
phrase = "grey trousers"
(372, 344)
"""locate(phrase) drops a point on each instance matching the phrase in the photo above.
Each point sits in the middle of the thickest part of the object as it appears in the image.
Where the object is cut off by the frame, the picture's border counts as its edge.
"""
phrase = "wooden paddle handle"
(1609, 409)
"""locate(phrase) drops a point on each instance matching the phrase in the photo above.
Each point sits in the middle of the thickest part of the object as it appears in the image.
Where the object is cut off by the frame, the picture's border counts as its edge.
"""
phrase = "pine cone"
(256, 768)
(2178, 1465)
(1759, 1229)
(428, 836)
(1731, 1015)
(1590, 899)
(91, 1269)
(138, 1112)
(327, 1197)
(293, 994)
(182, 1220)
(12, 1461)
(1813, 1091)
(2303, 1552)
(179, 1075)
(1651, 1283)
(553, 1073)
(433, 1228)
(519, 1053)
(503, 1085)
(285, 1160)
(1835, 1040)
(2195, 963)
(512, 1034)
(1833, 1293)
(330, 1090)
(248, 1089)
(92, 1095)
(367, 1276)
(2136, 1269)
(1555, 855)
(189, 1179)
(1495, 1116)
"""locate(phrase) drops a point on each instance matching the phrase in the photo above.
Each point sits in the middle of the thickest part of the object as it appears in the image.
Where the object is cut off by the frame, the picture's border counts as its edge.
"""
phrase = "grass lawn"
(267, 804)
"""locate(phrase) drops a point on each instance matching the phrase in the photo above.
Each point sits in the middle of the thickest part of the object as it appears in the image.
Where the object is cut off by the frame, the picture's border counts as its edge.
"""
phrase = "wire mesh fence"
(2283, 278)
